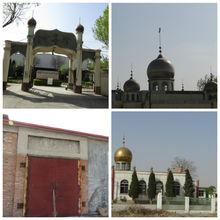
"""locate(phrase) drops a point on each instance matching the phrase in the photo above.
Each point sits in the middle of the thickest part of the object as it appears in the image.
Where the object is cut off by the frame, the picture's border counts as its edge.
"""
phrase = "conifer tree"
(188, 186)
(151, 186)
(134, 187)
(170, 185)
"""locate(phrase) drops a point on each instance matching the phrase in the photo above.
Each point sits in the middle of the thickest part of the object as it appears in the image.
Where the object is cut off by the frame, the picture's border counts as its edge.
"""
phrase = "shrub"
(43, 82)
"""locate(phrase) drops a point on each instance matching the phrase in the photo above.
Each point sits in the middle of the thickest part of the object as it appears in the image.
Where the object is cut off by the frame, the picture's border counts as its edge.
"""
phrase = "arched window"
(124, 186)
(132, 97)
(159, 187)
(142, 186)
(123, 166)
(176, 188)
(165, 86)
(155, 87)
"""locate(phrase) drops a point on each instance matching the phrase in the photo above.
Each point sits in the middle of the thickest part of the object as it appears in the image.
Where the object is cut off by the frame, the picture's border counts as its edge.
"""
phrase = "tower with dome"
(161, 92)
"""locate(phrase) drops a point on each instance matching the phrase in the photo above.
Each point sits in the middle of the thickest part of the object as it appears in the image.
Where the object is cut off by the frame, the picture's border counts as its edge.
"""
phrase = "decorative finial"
(131, 71)
(123, 140)
(79, 20)
(32, 13)
(182, 86)
(117, 86)
(211, 75)
(151, 170)
(160, 48)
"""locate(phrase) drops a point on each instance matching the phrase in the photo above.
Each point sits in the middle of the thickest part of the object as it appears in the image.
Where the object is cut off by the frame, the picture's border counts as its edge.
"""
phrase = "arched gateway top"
(54, 40)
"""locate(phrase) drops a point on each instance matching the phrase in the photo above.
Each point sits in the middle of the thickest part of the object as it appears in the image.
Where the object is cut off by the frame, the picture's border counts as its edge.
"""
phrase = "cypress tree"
(151, 186)
(170, 184)
(188, 186)
(134, 187)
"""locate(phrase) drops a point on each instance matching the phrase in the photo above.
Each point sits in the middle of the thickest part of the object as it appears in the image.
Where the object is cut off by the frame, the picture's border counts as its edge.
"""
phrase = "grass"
(140, 212)
(134, 212)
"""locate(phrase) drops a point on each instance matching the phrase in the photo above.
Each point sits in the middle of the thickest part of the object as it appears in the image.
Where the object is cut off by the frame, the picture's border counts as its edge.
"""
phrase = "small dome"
(80, 28)
(210, 87)
(32, 22)
(160, 68)
(123, 154)
(131, 86)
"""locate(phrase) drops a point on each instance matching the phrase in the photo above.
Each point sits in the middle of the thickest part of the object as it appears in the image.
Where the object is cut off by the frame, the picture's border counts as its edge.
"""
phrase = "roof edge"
(54, 129)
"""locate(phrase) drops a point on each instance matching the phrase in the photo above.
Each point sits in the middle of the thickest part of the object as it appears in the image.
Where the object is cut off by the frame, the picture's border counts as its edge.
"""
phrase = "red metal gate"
(52, 187)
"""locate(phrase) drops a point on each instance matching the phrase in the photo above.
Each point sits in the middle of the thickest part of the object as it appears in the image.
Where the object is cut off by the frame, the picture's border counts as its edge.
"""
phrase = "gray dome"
(160, 68)
(80, 28)
(131, 86)
(32, 22)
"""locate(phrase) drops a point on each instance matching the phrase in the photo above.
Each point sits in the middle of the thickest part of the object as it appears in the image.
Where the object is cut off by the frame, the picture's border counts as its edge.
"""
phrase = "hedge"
(43, 82)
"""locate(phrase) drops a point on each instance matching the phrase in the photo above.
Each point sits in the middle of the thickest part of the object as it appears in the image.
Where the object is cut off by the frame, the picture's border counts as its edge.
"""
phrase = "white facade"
(120, 175)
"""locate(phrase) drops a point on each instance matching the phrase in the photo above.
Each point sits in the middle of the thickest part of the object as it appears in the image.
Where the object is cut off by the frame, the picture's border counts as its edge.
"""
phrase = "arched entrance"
(57, 42)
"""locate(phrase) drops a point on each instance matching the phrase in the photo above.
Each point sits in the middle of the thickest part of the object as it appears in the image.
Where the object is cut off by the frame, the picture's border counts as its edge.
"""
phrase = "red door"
(52, 187)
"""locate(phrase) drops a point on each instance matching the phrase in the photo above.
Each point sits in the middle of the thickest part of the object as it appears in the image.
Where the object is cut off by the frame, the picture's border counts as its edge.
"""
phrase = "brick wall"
(9, 167)
(19, 191)
(83, 175)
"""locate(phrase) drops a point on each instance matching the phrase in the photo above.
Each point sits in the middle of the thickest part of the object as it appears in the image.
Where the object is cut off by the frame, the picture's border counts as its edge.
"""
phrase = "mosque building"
(122, 175)
(161, 93)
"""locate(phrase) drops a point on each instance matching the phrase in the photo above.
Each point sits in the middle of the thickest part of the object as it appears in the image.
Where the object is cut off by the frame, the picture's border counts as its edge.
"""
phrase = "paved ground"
(51, 97)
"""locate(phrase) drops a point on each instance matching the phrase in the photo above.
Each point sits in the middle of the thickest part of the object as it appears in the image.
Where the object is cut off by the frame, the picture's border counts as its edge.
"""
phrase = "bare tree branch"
(15, 11)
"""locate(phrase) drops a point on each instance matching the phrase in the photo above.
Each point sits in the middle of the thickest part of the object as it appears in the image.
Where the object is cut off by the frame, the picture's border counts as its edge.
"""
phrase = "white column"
(97, 78)
(6, 61)
(70, 75)
(213, 206)
(26, 84)
(159, 201)
(187, 204)
(78, 87)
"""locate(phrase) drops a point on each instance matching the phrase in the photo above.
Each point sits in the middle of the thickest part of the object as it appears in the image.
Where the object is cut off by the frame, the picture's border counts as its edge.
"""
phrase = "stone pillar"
(187, 204)
(70, 75)
(97, 78)
(78, 87)
(26, 84)
(159, 201)
(213, 206)
(6, 61)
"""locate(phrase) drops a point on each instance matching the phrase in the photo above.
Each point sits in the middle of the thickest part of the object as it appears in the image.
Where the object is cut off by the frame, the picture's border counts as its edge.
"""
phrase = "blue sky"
(156, 138)
(62, 16)
(189, 40)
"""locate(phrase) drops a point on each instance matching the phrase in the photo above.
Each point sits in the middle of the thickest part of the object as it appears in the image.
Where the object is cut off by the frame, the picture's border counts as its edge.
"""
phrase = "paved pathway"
(51, 97)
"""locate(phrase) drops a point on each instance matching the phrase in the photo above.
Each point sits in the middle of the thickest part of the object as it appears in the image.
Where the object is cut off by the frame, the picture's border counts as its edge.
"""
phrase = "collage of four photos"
(109, 109)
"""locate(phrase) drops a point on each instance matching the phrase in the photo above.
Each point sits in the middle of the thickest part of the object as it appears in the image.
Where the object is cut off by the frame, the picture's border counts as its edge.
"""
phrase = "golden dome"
(123, 154)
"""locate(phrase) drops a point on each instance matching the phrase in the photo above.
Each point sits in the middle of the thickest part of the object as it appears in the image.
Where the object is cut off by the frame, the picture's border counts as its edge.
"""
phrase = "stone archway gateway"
(58, 42)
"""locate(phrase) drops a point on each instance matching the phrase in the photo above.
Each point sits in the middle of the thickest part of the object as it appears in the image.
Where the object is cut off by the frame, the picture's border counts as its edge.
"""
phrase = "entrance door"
(52, 187)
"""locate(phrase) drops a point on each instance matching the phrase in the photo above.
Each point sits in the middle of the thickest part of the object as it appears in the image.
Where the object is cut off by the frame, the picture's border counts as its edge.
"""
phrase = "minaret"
(26, 84)
(78, 87)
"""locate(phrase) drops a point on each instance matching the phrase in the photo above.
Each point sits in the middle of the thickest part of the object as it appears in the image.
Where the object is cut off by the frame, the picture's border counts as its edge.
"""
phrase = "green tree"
(201, 83)
(134, 187)
(210, 191)
(151, 186)
(100, 28)
(188, 186)
(170, 184)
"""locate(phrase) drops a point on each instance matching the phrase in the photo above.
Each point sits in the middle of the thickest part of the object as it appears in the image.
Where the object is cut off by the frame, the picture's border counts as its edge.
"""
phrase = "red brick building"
(53, 172)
